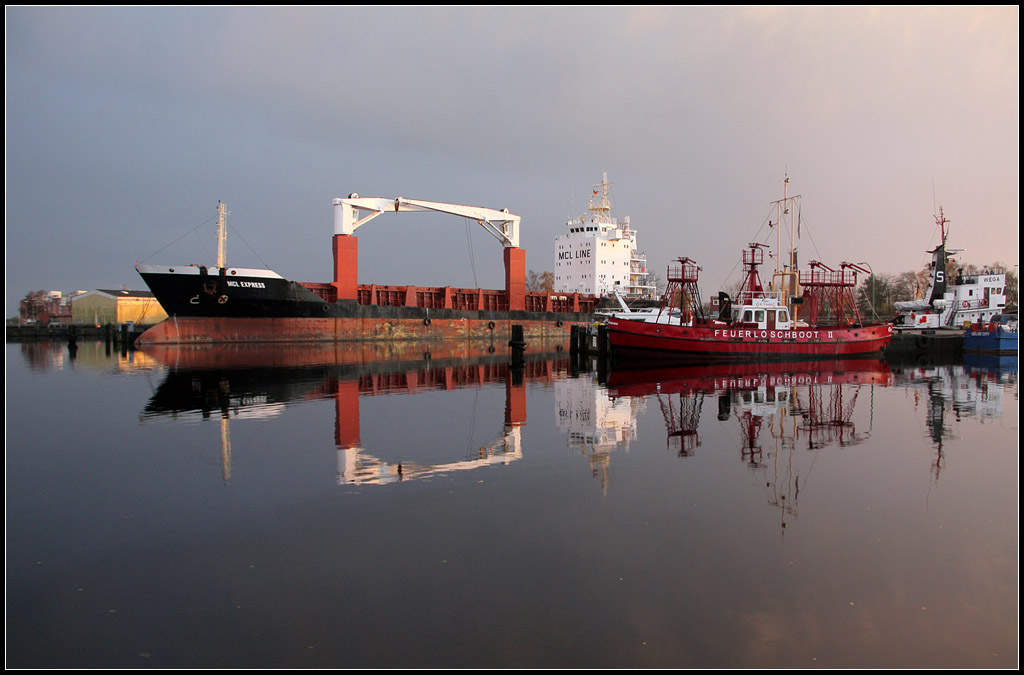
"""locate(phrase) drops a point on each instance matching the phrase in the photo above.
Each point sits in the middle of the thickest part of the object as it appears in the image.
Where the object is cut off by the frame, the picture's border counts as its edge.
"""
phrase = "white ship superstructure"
(593, 422)
(598, 254)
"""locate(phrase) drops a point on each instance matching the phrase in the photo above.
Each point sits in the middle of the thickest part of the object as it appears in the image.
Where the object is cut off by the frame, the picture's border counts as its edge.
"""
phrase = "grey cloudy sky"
(126, 125)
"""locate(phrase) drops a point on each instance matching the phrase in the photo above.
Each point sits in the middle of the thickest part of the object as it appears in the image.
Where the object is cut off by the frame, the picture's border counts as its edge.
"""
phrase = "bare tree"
(544, 282)
(34, 304)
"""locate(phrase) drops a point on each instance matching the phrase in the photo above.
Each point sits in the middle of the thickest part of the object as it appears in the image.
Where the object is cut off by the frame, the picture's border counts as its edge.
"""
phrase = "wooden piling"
(518, 345)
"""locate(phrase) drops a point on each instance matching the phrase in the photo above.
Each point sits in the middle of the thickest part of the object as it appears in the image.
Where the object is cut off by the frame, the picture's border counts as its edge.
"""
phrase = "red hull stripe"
(740, 342)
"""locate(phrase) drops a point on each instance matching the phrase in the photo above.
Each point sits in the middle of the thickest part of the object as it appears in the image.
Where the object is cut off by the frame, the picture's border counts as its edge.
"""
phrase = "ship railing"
(495, 301)
(765, 297)
(982, 303)
(819, 276)
(467, 299)
(572, 302)
(394, 297)
(753, 255)
(537, 302)
(978, 280)
(426, 297)
(683, 271)
(326, 291)
(430, 298)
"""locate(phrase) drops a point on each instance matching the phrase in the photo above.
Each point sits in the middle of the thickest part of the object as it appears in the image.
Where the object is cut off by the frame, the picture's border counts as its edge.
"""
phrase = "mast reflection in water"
(777, 408)
(386, 506)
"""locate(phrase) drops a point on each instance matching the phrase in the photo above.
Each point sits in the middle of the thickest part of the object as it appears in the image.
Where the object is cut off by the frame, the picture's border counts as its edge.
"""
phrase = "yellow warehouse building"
(101, 307)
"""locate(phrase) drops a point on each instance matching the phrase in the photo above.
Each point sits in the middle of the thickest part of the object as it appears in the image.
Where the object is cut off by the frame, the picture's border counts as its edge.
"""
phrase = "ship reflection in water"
(374, 505)
(237, 382)
(949, 393)
(778, 408)
(815, 396)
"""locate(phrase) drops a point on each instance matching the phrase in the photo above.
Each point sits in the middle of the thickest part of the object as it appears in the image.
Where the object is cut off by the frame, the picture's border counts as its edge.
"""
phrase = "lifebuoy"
(966, 304)
(984, 302)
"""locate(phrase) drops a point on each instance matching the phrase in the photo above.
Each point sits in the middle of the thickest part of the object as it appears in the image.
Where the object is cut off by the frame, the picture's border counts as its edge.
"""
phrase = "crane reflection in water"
(236, 382)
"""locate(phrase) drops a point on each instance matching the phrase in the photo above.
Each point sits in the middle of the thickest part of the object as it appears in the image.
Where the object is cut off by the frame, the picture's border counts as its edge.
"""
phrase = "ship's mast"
(943, 224)
(222, 234)
(603, 189)
(753, 256)
(785, 207)
(940, 257)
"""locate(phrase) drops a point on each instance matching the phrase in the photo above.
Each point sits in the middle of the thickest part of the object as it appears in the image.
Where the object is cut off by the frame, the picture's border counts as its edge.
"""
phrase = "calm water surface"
(363, 507)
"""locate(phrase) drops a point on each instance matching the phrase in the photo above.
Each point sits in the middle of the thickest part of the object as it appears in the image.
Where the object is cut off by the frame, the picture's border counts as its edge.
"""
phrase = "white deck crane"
(502, 224)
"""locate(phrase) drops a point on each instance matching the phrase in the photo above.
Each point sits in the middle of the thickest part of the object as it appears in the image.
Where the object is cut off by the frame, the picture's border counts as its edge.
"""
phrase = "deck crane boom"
(501, 224)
